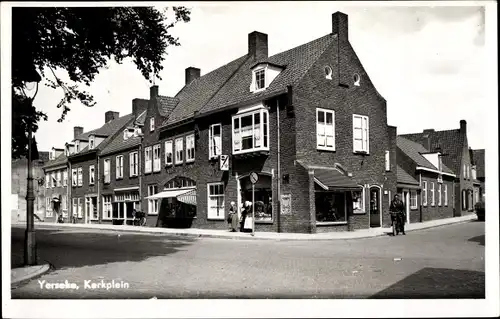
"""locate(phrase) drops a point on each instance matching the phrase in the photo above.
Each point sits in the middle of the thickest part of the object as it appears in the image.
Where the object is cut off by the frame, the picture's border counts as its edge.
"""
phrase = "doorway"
(406, 202)
(375, 212)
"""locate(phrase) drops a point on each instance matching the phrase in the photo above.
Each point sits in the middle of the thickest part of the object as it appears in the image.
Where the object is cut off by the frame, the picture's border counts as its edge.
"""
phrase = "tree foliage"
(81, 41)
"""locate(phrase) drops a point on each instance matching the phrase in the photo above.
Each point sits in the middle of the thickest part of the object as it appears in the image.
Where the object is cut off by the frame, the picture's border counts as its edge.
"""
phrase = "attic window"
(260, 79)
(328, 72)
(152, 124)
(357, 79)
(77, 146)
(91, 142)
(263, 74)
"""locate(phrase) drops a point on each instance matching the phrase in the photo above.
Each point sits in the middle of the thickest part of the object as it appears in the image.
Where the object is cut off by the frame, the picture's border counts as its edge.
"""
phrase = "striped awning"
(188, 198)
(333, 179)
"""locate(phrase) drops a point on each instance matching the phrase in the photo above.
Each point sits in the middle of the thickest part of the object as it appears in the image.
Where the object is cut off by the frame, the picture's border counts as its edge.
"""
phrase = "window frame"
(107, 207)
(255, 84)
(387, 161)
(362, 210)
(74, 177)
(445, 195)
(119, 168)
(263, 131)
(91, 142)
(424, 194)
(148, 160)
(190, 140)
(80, 208)
(156, 157)
(366, 144)
(413, 197)
(152, 190)
(219, 208)
(169, 149)
(107, 172)
(212, 142)
(439, 195)
(179, 151)
(433, 193)
(91, 175)
(77, 146)
(80, 176)
(151, 124)
(325, 147)
(133, 163)
(65, 178)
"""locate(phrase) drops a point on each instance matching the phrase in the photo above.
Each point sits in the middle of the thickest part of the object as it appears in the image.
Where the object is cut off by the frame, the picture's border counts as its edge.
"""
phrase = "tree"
(82, 41)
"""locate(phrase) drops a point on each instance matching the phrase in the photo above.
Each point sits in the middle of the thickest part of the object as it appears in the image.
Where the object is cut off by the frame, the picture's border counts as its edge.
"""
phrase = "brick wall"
(84, 161)
(19, 184)
(430, 212)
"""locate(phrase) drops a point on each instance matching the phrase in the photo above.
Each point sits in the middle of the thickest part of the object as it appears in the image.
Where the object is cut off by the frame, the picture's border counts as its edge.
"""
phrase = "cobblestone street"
(442, 262)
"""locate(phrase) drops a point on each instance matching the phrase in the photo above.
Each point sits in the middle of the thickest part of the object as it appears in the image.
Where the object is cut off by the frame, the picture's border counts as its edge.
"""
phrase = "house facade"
(478, 177)
(425, 184)
(56, 186)
(454, 151)
(309, 123)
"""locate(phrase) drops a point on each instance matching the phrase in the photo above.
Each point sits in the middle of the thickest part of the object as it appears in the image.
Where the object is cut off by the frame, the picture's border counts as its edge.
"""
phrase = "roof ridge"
(421, 133)
(301, 45)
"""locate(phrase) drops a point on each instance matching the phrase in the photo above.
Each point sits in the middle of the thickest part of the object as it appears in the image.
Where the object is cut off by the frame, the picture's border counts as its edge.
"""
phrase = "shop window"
(152, 203)
(358, 201)
(263, 196)
(331, 207)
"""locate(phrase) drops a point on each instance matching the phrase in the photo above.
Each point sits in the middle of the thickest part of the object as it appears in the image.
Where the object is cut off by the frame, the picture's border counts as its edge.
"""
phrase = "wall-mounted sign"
(224, 162)
(286, 204)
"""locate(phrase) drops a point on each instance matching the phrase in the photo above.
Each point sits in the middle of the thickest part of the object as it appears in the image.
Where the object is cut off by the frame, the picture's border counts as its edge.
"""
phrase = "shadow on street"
(431, 283)
(69, 249)
(478, 239)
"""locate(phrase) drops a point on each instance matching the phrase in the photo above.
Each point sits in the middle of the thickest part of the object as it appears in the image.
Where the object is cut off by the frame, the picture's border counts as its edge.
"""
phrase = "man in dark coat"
(398, 207)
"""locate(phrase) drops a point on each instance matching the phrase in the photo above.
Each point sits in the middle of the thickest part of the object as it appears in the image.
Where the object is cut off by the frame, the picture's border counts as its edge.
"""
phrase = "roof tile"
(404, 177)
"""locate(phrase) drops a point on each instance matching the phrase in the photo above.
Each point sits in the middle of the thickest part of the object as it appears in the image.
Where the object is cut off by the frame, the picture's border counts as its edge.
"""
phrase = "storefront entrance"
(375, 209)
(123, 206)
(263, 196)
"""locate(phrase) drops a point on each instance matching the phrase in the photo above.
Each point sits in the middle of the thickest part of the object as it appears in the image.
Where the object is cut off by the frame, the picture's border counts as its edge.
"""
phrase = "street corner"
(21, 275)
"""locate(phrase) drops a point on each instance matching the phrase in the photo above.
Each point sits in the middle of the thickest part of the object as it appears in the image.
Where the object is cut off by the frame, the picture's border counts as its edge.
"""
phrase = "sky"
(427, 62)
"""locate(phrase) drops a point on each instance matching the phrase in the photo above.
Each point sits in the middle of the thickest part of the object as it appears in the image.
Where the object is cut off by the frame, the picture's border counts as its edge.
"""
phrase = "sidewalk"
(19, 275)
(214, 233)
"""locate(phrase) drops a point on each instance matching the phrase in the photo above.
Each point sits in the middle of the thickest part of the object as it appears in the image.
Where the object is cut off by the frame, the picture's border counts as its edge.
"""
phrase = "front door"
(374, 207)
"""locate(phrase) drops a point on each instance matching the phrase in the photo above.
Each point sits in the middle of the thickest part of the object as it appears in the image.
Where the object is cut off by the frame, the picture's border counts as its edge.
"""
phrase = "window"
(106, 207)
(358, 201)
(91, 175)
(65, 178)
(59, 181)
(251, 131)
(169, 159)
(134, 165)
(468, 171)
(464, 200)
(152, 203)
(147, 160)
(91, 142)
(119, 167)
(75, 207)
(445, 195)
(331, 207)
(328, 72)
(215, 200)
(48, 207)
(439, 194)
(64, 204)
(424, 193)
(152, 124)
(107, 173)
(325, 129)
(91, 208)
(387, 161)
(190, 148)
(47, 180)
(156, 158)
(433, 197)
(74, 181)
(361, 133)
(465, 171)
(80, 176)
(179, 152)
(53, 179)
(260, 79)
(80, 207)
(413, 200)
(214, 140)
(77, 146)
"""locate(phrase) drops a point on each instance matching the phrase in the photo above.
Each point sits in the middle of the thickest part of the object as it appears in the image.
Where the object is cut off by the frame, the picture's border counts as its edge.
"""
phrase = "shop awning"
(188, 198)
(332, 179)
(170, 193)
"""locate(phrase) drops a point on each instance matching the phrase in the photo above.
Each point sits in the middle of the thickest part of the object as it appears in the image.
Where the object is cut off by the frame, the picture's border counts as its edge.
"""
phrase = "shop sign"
(286, 204)
(224, 162)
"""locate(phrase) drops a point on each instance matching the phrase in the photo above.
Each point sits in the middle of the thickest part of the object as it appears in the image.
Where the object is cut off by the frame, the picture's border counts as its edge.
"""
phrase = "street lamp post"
(30, 89)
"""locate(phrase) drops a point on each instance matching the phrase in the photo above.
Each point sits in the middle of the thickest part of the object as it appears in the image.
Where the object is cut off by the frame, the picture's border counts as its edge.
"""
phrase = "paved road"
(444, 262)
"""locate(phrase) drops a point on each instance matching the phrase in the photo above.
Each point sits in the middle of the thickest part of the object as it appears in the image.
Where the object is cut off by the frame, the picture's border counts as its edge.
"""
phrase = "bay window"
(179, 150)
(147, 160)
(361, 140)
(156, 158)
(190, 148)
(251, 131)
(325, 129)
(169, 157)
(134, 165)
(214, 141)
(215, 200)
(119, 167)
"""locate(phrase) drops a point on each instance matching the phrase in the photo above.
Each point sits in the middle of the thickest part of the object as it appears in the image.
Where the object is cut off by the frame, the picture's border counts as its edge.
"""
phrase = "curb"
(147, 230)
(38, 270)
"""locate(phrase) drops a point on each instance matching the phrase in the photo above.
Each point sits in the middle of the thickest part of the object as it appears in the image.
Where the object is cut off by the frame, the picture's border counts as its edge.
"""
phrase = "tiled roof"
(404, 177)
(450, 141)
(479, 161)
(43, 156)
(414, 150)
(119, 143)
(60, 160)
(166, 104)
(195, 95)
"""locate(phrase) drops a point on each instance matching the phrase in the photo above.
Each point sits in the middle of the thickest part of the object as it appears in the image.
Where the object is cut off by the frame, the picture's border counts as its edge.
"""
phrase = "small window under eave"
(263, 74)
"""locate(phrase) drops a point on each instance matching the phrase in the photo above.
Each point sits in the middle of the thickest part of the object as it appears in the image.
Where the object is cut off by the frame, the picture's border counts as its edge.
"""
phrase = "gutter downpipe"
(278, 213)
(139, 172)
(98, 181)
(69, 201)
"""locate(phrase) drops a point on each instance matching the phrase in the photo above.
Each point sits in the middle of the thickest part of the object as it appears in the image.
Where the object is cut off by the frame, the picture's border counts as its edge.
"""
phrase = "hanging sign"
(224, 162)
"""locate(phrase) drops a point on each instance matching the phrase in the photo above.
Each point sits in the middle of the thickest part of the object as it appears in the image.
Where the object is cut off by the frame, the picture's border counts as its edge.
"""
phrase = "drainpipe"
(420, 184)
(98, 181)
(278, 213)
(69, 201)
(139, 172)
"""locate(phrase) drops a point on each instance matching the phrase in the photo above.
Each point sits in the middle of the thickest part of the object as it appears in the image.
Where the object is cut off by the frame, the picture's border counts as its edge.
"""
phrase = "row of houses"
(308, 121)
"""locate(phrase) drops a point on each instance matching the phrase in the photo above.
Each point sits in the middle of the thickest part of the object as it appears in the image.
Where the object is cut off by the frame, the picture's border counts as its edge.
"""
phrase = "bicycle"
(140, 219)
(397, 223)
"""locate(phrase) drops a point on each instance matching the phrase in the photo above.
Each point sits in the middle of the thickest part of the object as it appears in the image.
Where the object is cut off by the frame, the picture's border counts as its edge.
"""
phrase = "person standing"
(233, 217)
(398, 207)
(244, 215)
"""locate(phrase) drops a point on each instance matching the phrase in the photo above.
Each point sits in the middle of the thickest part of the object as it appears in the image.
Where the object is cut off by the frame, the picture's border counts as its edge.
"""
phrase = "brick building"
(477, 157)
(425, 184)
(56, 185)
(308, 121)
(454, 149)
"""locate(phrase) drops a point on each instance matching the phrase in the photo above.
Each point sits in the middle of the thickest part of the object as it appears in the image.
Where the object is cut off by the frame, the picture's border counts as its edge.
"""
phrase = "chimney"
(340, 25)
(77, 130)
(463, 127)
(430, 130)
(427, 140)
(139, 106)
(192, 74)
(257, 45)
(153, 92)
(110, 115)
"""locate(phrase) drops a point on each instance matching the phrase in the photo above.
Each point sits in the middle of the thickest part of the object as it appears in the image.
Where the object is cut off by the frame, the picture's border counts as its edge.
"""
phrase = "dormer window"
(91, 142)
(263, 75)
(152, 124)
(77, 146)
(260, 79)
